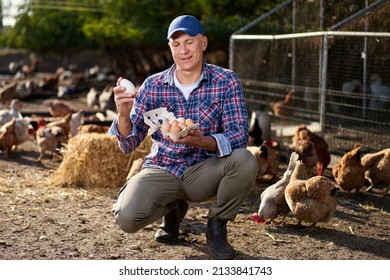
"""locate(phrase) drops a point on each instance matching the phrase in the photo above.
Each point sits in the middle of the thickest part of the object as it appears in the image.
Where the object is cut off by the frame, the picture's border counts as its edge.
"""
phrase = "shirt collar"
(169, 77)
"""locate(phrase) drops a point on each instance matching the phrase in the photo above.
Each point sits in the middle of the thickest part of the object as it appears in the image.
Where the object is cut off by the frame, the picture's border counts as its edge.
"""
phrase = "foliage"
(66, 26)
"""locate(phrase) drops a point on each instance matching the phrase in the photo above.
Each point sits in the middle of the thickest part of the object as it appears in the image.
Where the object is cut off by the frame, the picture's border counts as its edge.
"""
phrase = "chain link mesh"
(353, 69)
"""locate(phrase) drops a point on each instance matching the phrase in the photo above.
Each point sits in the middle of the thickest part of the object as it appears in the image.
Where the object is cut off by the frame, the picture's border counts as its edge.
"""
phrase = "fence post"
(324, 69)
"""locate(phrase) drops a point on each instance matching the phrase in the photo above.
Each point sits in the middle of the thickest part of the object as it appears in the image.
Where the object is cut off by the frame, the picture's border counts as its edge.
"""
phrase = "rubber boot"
(169, 228)
(216, 236)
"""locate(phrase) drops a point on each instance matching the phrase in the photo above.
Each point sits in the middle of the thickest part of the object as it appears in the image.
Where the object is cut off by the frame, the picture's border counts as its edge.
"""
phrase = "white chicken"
(23, 129)
(76, 121)
(273, 202)
(106, 99)
(351, 86)
(340, 101)
(24, 88)
(93, 98)
(6, 115)
(380, 93)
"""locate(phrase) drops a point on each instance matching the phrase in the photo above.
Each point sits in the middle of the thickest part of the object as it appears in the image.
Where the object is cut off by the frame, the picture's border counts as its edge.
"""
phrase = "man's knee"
(127, 223)
(248, 161)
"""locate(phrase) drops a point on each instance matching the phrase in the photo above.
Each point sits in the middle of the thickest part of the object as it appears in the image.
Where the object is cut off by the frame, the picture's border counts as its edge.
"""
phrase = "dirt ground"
(38, 221)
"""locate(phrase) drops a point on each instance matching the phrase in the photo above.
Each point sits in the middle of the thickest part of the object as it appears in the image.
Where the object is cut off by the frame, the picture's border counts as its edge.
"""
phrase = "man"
(209, 163)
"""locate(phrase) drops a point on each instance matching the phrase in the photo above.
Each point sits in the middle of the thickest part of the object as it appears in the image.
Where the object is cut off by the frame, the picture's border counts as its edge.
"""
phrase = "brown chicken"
(136, 167)
(348, 172)
(377, 166)
(320, 145)
(268, 160)
(90, 128)
(59, 108)
(310, 199)
(8, 137)
(307, 154)
(51, 81)
(49, 139)
(64, 123)
(8, 92)
(283, 108)
(273, 202)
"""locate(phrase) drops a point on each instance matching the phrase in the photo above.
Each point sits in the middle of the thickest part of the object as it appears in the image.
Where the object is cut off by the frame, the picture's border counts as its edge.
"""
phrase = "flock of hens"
(302, 190)
(50, 132)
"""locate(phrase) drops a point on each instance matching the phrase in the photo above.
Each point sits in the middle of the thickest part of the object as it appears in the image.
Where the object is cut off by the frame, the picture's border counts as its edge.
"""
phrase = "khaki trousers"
(149, 195)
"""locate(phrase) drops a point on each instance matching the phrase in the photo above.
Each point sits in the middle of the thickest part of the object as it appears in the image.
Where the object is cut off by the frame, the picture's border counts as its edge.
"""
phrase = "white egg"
(130, 88)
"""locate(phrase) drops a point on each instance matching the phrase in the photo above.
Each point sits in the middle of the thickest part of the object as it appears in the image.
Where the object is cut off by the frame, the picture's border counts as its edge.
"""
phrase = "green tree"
(128, 31)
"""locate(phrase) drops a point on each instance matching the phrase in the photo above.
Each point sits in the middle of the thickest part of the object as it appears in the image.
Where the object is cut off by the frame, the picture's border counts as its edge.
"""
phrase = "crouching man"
(210, 163)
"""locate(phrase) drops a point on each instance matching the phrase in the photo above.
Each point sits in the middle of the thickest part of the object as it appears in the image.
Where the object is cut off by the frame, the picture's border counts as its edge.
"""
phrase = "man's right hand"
(123, 101)
(124, 104)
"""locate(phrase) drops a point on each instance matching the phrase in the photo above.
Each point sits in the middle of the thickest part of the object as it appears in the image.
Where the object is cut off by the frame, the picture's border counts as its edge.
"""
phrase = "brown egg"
(181, 120)
(175, 129)
(182, 125)
(189, 121)
(166, 126)
(173, 122)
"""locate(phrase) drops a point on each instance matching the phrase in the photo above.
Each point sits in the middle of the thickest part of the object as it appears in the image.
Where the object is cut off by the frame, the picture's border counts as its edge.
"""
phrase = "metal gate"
(340, 77)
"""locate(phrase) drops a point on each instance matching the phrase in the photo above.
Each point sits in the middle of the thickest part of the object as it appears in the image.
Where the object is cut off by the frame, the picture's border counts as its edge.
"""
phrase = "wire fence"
(340, 77)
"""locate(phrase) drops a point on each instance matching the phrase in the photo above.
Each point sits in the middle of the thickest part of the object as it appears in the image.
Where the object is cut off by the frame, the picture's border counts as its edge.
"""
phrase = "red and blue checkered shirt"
(217, 104)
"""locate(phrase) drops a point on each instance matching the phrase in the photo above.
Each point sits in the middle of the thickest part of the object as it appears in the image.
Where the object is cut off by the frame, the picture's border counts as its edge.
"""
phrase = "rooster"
(348, 172)
(320, 145)
(310, 199)
(377, 166)
(273, 202)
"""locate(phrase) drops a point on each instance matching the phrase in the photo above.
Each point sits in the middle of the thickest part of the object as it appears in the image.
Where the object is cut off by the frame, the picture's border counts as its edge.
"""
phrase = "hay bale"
(95, 160)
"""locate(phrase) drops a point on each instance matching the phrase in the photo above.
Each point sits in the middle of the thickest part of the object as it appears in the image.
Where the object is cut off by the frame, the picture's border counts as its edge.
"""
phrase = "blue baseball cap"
(187, 24)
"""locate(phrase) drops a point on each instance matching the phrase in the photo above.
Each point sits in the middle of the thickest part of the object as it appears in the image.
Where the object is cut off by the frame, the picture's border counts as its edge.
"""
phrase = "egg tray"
(155, 118)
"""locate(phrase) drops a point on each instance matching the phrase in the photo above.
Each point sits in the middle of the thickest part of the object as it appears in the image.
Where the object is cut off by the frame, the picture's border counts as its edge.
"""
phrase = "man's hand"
(124, 104)
(195, 138)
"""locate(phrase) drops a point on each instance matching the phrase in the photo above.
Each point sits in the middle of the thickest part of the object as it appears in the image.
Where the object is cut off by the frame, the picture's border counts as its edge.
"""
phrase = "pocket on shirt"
(209, 112)
(169, 105)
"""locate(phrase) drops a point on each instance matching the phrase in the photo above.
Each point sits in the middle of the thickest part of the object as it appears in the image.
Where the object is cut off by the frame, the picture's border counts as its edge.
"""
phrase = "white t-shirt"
(187, 89)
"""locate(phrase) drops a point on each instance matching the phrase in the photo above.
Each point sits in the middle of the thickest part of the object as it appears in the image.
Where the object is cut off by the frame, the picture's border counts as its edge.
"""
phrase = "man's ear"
(204, 43)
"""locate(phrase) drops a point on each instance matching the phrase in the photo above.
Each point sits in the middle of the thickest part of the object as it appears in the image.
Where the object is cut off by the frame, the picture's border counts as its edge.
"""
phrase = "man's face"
(187, 51)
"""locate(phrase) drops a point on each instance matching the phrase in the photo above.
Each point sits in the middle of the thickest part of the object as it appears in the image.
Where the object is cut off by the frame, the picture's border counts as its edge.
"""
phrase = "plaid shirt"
(217, 104)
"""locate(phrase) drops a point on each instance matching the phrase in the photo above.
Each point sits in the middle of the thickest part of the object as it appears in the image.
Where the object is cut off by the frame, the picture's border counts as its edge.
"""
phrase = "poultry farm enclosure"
(340, 77)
